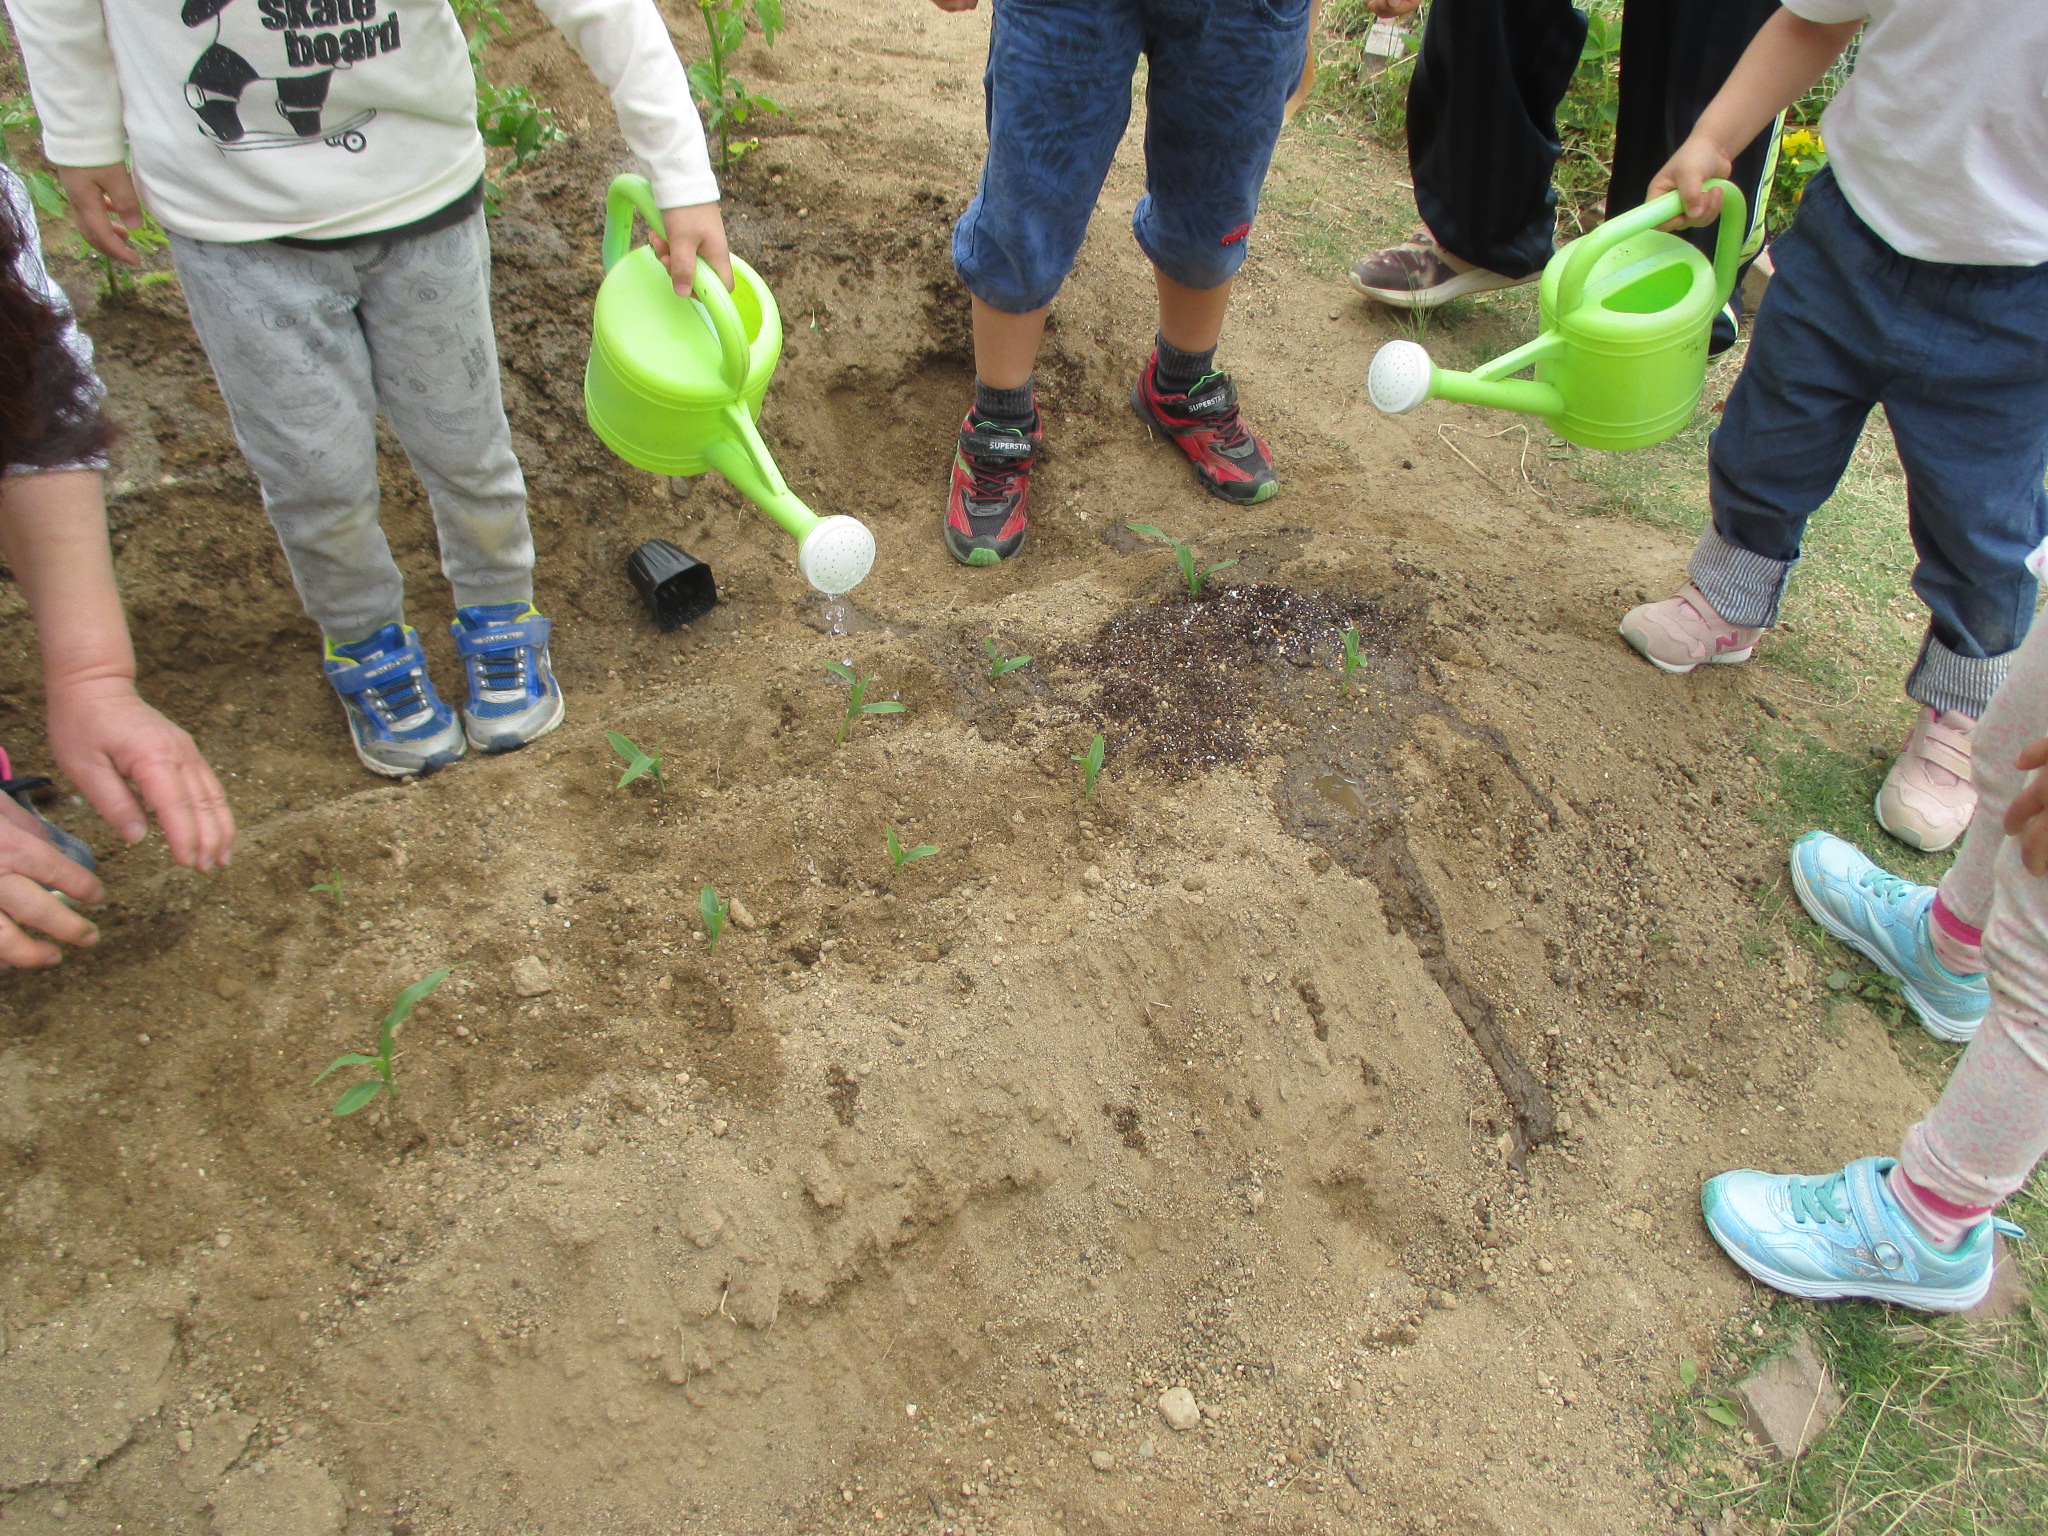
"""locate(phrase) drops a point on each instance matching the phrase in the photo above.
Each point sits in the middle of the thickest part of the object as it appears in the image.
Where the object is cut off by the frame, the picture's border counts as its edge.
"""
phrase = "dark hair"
(49, 400)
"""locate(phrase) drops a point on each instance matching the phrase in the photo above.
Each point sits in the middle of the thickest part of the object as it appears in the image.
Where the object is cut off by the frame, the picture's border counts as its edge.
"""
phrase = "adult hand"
(104, 204)
(29, 862)
(2027, 817)
(698, 230)
(1699, 160)
(106, 739)
(959, 5)
(1393, 10)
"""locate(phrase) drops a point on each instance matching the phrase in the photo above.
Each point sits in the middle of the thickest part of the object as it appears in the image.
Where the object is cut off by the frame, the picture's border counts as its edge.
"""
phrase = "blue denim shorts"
(1059, 97)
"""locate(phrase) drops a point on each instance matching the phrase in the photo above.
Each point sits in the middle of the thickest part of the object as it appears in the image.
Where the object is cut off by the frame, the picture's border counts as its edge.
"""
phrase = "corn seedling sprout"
(1353, 660)
(900, 855)
(857, 699)
(1196, 579)
(1091, 765)
(638, 760)
(356, 1095)
(331, 886)
(999, 665)
(713, 911)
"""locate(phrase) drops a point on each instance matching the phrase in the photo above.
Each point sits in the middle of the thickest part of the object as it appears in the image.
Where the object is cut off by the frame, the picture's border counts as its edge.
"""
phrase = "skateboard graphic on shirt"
(283, 55)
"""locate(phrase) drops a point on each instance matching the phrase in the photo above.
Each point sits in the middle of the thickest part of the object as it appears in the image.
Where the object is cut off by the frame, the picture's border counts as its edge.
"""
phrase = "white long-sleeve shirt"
(255, 119)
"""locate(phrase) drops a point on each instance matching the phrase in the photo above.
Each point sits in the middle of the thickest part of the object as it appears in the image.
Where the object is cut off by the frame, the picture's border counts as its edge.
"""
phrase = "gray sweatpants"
(307, 346)
(1990, 1126)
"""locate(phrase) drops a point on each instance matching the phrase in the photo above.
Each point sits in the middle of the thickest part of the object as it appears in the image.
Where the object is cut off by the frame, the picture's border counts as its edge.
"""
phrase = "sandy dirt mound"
(1350, 1060)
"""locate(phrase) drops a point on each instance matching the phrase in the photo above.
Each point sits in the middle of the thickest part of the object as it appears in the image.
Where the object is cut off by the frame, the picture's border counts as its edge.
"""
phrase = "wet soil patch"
(1184, 684)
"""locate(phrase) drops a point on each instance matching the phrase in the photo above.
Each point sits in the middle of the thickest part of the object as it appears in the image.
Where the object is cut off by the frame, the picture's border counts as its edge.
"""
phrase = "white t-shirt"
(1940, 137)
(254, 119)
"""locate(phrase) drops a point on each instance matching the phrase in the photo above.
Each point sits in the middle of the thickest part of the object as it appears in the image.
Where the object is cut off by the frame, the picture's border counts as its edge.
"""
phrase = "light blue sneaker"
(399, 724)
(513, 696)
(1888, 919)
(1841, 1234)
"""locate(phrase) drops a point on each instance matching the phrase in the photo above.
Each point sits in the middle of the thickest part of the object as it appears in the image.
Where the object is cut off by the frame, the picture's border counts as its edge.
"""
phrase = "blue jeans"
(1059, 96)
(1958, 358)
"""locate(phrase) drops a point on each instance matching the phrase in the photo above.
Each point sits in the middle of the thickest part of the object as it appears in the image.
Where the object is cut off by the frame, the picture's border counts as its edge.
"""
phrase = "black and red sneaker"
(985, 514)
(1205, 424)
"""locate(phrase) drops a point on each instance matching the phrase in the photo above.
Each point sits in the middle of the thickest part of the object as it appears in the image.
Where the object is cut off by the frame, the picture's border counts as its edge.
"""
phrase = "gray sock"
(1012, 407)
(1178, 372)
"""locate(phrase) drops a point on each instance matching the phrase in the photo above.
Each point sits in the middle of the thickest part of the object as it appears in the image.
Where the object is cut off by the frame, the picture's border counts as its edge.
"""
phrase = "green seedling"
(1352, 659)
(1719, 1409)
(1196, 579)
(356, 1095)
(857, 698)
(18, 115)
(900, 855)
(331, 886)
(999, 665)
(1091, 765)
(713, 911)
(508, 116)
(638, 760)
(727, 103)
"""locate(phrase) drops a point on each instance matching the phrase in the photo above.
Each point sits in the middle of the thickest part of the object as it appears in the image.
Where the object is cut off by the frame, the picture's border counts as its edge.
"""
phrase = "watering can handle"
(1586, 252)
(629, 195)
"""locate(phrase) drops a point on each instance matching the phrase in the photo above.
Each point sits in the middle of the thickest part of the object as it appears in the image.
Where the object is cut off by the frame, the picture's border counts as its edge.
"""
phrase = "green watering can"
(675, 385)
(1623, 355)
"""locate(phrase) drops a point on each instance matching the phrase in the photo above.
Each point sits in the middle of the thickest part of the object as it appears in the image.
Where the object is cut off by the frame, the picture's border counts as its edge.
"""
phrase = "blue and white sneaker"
(1889, 920)
(1842, 1234)
(400, 726)
(513, 696)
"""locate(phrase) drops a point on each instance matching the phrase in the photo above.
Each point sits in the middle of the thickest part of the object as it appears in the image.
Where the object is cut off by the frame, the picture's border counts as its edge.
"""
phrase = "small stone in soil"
(530, 977)
(1102, 1461)
(1178, 1407)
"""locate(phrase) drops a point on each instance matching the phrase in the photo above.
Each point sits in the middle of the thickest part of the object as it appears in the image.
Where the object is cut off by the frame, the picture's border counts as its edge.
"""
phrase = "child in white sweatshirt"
(318, 168)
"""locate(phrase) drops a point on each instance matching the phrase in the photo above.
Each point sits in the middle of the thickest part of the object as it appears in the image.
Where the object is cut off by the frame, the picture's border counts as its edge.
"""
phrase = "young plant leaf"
(1091, 765)
(638, 760)
(999, 665)
(331, 886)
(900, 856)
(412, 996)
(353, 1059)
(713, 912)
(1719, 1410)
(1688, 1372)
(355, 1097)
(1353, 660)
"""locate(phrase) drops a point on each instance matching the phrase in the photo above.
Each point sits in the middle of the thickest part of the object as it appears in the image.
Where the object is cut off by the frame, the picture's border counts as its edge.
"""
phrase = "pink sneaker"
(1927, 799)
(1684, 632)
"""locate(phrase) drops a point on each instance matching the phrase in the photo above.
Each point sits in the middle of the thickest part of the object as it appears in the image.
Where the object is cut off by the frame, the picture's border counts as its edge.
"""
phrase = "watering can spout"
(835, 554)
(1402, 377)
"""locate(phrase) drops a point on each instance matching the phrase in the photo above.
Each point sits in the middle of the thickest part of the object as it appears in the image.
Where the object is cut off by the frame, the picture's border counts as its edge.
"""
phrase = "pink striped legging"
(1990, 1126)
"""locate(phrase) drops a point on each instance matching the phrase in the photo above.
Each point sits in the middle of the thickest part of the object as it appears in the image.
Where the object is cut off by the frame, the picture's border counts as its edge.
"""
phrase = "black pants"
(1482, 113)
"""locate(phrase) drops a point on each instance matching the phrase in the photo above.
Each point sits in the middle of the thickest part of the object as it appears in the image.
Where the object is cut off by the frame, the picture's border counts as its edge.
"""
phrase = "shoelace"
(1884, 886)
(400, 699)
(501, 671)
(1814, 1199)
(1231, 433)
(988, 481)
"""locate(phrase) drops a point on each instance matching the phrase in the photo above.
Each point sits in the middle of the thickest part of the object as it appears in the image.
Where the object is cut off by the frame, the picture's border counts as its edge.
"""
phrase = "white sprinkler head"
(837, 555)
(1399, 379)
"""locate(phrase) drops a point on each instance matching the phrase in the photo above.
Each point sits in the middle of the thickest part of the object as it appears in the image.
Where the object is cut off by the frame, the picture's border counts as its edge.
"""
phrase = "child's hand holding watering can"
(698, 230)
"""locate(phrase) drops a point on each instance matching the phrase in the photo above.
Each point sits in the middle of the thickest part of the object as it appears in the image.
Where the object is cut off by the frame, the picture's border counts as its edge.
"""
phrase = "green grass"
(1944, 1427)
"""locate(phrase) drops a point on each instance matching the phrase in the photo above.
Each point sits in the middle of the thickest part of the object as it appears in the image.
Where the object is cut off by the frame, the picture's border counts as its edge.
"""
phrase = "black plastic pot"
(675, 588)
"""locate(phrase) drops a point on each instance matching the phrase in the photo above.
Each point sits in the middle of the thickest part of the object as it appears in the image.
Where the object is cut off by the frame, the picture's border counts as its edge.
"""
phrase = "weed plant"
(999, 665)
(1195, 578)
(385, 1060)
(713, 912)
(1091, 765)
(900, 855)
(638, 760)
(857, 703)
(727, 102)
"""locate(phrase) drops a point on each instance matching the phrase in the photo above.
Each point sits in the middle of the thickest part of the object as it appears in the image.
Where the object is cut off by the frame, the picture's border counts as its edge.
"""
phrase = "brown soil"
(1351, 1059)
